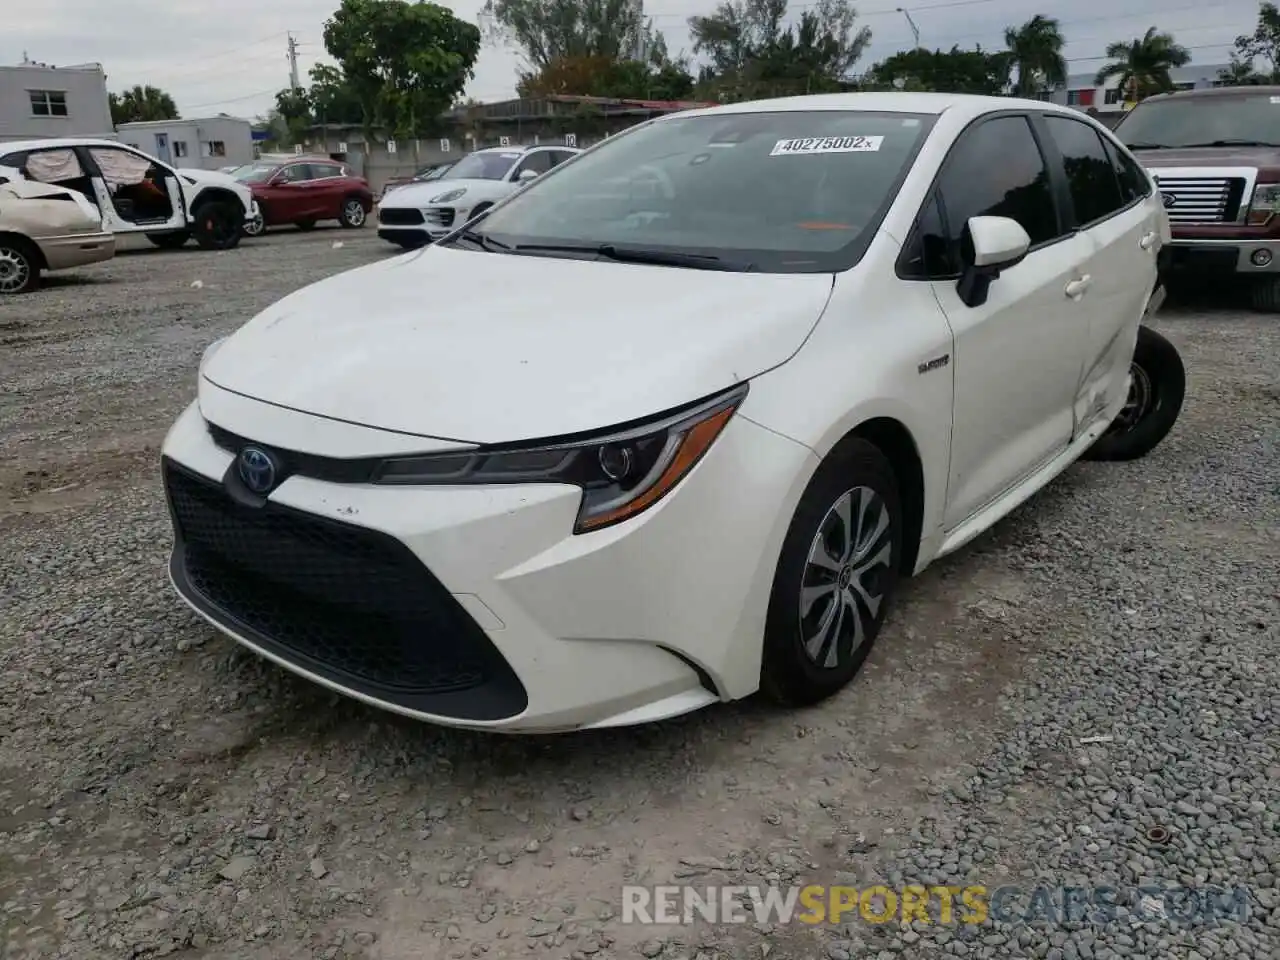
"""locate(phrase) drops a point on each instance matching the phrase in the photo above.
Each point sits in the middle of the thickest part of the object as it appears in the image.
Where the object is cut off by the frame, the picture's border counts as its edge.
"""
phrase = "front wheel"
(218, 225)
(19, 266)
(353, 213)
(1157, 386)
(255, 227)
(835, 578)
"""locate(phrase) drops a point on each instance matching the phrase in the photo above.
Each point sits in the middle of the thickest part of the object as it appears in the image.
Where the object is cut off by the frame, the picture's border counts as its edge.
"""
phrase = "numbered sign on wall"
(570, 139)
(342, 147)
(391, 146)
(504, 141)
(444, 145)
(297, 149)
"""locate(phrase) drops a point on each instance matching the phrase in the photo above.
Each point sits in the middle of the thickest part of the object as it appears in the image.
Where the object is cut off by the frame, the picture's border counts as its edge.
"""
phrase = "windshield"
(434, 172)
(482, 165)
(786, 192)
(254, 172)
(1201, 121)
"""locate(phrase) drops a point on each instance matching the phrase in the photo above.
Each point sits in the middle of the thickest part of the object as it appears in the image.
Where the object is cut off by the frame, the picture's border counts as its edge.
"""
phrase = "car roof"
(967, 105)
(524, 148)
(1245, 91)
(13, 146)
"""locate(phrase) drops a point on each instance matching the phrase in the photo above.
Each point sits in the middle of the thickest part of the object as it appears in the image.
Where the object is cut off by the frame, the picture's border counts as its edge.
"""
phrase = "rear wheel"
(353, 213)
(1264, 295)
(835, 578)
(218, 225)
(170, 241)
(1157, 386)
(20, 265)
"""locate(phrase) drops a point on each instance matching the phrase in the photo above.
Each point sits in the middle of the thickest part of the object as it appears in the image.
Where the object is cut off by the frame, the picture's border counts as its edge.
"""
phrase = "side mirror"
(526, 175)
(996, 244)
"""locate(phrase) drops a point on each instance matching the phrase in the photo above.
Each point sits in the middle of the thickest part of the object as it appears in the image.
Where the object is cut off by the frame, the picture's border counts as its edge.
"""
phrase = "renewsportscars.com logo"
(973, 904)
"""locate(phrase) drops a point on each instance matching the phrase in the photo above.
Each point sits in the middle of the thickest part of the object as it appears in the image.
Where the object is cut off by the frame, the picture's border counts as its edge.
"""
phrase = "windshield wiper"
(480, 240)
(1234, 143)
(663, 258)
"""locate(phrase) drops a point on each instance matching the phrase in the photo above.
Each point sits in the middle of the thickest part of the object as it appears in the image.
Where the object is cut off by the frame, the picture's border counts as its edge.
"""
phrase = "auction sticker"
(826, 145)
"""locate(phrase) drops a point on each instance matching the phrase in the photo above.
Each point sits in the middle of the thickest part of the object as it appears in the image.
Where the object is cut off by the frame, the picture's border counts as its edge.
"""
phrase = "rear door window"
(1091, 177)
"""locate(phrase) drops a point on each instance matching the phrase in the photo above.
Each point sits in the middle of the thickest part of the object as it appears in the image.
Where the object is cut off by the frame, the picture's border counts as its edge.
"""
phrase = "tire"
(255, 227)
(218, 225)
(1264, 295)
(20, 266)
(819, 554)
(305, 225)
(1157, 389)
(353, 215)
(170, 241)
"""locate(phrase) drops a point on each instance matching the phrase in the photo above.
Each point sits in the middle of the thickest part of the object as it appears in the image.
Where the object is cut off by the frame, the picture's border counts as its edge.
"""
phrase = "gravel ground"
(1101, 664)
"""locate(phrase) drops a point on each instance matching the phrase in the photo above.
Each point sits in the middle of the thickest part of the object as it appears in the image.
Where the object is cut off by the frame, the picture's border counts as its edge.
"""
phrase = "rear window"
(1243, 119)
(788, 191)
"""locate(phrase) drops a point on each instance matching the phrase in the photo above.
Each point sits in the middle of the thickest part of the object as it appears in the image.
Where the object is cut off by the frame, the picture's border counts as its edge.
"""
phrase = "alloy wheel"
(845, 577)
(1138, 404)
(355, 213)
(256, 226)
(14, 270)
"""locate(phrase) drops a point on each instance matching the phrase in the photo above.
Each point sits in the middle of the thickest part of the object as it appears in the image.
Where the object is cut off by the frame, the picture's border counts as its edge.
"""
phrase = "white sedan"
(416, 213)
(670, 425)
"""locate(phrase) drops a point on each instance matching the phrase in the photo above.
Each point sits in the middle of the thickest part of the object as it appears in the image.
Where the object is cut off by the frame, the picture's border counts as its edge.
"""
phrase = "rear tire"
(218, 225)
(836, 577)
(20, 265)
(354, 215)
(1158, 386)
(170, 241)
(1264, 295)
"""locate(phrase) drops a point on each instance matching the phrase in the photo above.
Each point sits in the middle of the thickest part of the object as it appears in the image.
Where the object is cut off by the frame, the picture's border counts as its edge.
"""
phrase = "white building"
(206, 144)
(1081, 92)
(39, 101)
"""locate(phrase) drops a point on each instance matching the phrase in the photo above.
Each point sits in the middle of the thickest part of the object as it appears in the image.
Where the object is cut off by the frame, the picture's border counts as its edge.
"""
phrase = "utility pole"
(915, 31)
(640, 52)
(294, 83)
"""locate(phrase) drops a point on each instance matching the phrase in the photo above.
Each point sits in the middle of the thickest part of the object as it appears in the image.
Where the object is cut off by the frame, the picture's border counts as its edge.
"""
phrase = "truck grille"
(1202, 199)
(343, 602)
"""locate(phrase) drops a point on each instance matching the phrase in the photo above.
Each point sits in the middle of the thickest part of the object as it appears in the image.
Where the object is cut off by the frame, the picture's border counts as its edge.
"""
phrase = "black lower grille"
(347, 603)
(399, 217)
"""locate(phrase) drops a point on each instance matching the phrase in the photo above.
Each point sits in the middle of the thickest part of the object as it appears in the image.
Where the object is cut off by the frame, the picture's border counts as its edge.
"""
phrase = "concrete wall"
(194, 143)
(83, 91)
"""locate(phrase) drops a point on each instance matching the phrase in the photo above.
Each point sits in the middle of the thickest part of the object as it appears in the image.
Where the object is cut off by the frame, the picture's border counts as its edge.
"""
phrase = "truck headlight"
(1264, 204)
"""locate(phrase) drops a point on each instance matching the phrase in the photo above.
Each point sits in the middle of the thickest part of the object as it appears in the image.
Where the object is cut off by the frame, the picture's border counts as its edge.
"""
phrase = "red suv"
(304, 190)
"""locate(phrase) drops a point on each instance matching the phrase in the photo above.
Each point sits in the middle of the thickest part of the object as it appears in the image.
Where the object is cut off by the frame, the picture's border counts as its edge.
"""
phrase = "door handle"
(1076, 288)
(1148, 241)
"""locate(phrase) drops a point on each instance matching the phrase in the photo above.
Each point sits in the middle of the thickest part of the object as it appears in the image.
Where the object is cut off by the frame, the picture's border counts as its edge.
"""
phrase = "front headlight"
(1264, 204)
(450, 196)
(621, 473)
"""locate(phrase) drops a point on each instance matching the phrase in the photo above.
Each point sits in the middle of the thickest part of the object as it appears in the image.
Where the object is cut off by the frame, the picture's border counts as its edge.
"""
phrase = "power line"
(248, 96)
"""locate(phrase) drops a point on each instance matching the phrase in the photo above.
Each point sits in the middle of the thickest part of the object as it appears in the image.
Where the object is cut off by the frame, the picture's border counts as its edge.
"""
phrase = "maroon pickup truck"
(1215, 157)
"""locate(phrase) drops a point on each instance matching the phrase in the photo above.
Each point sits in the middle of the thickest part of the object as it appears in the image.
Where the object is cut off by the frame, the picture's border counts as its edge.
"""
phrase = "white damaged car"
(417, 213)
(137, 193)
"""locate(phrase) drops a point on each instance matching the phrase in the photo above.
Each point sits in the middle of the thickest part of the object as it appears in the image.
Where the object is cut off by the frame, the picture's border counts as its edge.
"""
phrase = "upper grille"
(399, 216)
(344, 602)
(1202, 199)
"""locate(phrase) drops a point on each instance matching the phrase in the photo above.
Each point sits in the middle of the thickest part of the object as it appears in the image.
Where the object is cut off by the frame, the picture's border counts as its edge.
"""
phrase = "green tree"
(404, 62)
(750, 54)
(141, 103)
(548, 32)
(952, 71)
(1142, 65)
(1035, 52)
(605, 77)
(1263, 44)
(331, 96)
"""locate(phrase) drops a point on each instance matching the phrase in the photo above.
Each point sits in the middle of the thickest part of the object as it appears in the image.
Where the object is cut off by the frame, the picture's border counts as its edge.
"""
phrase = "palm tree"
(1035, 49)
(1143, 64)
(142, 103)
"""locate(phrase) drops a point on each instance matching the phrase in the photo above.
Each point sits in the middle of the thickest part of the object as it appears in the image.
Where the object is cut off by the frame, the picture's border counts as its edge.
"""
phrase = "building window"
(179, 149)
(214, 148)
(1080, 98)
(1184, 86)
(48, 103)
(1113, 96)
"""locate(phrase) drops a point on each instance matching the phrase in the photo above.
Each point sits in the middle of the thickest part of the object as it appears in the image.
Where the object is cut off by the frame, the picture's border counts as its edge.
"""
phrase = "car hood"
(211, 177)
(1266, 157)
(420, 193)
(489, 348)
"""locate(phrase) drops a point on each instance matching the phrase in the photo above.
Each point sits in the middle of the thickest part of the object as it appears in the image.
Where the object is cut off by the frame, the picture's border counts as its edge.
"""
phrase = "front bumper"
(425, 223)
(476, 606)
(77, 249)
(252, 212)
(1222, 257)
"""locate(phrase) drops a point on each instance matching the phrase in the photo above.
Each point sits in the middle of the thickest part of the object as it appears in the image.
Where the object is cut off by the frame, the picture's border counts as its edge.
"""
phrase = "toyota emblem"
(257, 470)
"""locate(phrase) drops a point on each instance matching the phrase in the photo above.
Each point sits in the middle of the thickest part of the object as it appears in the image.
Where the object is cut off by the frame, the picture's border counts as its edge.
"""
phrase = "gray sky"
(230, 56)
